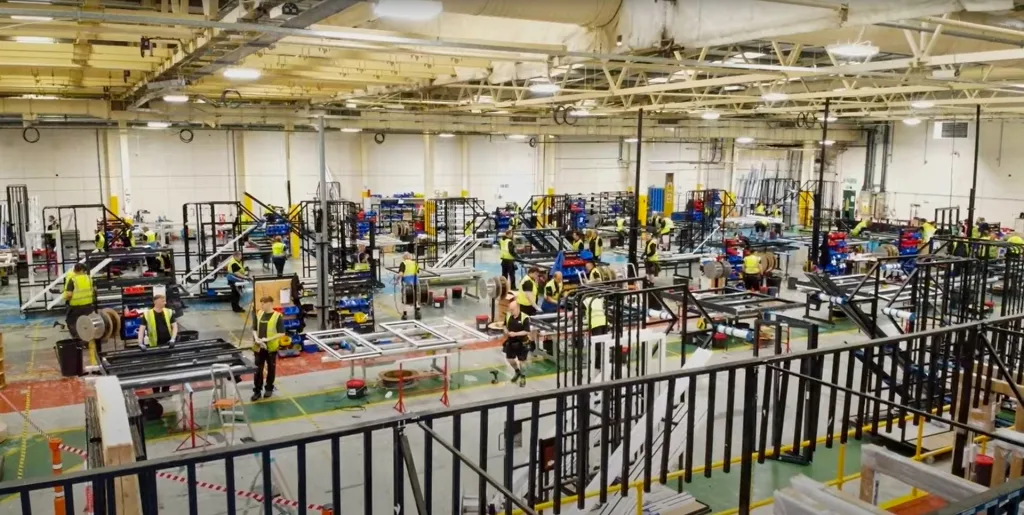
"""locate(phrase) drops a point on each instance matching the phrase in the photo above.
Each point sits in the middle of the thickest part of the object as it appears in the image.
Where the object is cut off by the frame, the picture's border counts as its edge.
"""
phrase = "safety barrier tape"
(280, 501)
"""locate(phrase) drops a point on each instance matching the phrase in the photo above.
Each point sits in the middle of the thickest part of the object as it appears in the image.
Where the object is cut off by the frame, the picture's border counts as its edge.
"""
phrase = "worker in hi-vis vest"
(80, 296)
(268, 335)
(752, 271)
(160, 327)
(508, 258)
(529, 291)
(278, 255)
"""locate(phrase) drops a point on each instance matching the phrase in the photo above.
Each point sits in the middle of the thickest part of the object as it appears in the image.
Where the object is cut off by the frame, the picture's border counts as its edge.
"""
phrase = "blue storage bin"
(291, 310)
(310, 348)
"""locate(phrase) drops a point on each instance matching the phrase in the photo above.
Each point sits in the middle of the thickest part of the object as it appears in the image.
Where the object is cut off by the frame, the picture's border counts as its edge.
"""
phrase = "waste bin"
(69, 355)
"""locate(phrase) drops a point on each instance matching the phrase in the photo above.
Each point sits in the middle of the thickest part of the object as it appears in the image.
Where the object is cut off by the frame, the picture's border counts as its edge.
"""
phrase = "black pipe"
(883, 177)
(869, 161)
(634, 233)
(816, 222)
(974, 180)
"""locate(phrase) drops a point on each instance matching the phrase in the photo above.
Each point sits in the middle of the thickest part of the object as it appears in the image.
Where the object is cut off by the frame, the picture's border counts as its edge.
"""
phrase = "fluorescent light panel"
(414, 10)
(242, 73)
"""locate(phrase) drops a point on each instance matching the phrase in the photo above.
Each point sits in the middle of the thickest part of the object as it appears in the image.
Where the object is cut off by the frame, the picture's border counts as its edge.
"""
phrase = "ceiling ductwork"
(586, 13)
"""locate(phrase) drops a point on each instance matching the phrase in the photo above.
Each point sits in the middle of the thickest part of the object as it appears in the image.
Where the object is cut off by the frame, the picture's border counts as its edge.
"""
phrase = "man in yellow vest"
(529, 290)
(594, 316)
(517, 341)
(80, 296)
(101, 241)
(861, 225)
(150, 236)
(268, 333)
(651, 255)
(759, 208)
(595, 244)
(665, 232)
(593, 274)
(362, 263)
(1018, 245)
(577, 241)
(278, 255)
(408, 271)
(236, 275)
(752, 271)
(620, 231)
(508, 258)
(160, 327)
(553, 291)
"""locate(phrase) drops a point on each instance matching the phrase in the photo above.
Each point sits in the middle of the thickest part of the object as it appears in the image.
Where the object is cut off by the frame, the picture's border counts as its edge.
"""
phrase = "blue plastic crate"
(291, 310)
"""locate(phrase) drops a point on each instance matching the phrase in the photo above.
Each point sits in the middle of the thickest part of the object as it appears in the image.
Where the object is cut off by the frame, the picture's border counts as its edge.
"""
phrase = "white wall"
(937, 173)
(65, 166)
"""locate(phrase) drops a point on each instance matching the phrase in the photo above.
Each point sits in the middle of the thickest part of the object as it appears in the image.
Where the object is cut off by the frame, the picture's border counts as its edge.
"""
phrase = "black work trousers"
(236, 295)
(508, 271)
(268, 360)
(279, 264)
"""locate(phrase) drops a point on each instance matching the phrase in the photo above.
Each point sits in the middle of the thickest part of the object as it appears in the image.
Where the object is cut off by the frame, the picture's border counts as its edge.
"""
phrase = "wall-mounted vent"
(524, 119)
(950, 130)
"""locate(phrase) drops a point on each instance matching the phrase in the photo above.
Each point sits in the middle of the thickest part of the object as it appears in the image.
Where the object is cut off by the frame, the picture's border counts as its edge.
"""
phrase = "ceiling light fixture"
(351, 105)
(517, 136)
(831, 119)
(744, 140)
(176, 99)
(774, 96)
(912, 121)
(734, 88)
(158, 125)
(242, 73)
(630, 140)
(544, 87)
(31, 18)
(33, 96)
(711, 115)
(579, 112)
(828, 142)
(35, 40)
(446, 135)
(658, 80)
(861, 50)
(414, 10)
(499, 111)
(351, 129)
(922, 104)
(839, 90)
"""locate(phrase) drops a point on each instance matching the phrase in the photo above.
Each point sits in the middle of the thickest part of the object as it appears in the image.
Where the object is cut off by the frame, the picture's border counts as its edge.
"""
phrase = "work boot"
(522, 380)
(267, 394)
(517, 375)
(255, 396)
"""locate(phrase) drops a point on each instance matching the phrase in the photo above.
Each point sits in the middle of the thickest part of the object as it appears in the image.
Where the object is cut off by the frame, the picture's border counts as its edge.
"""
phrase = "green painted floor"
(36, 461)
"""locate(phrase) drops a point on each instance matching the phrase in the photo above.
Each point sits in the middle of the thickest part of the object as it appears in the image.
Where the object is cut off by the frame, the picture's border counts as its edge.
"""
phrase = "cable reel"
(715, 270)
(887, 250)
(768, 261)
(493, 287)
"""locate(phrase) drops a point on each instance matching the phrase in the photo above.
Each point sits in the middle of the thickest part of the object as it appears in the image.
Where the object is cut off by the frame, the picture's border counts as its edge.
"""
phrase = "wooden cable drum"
(113, 322)
(606, 273)
(493, 287)
(91, 327)
(391, 378)
(714, 270)
(768, 262)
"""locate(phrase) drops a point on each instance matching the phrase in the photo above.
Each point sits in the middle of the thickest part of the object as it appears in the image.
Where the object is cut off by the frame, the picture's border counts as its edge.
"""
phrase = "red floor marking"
(53, 393)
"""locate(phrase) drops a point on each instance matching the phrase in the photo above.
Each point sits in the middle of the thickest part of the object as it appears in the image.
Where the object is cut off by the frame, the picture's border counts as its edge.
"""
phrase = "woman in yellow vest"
(362, 263)
(267, 333)
(278, 255)
(236, 274)
(595, 244)
(80, 296)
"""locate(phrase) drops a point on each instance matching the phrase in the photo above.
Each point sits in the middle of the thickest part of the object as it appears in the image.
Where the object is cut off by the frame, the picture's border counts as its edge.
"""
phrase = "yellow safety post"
(804, 205)
(841, 465)
(113, 205)
(643, 209)
(247, 204)
(670, 199)
(918, 444)
(428, 216)
(293, 238)
(465, 193)
(640, 499)
(92, 353)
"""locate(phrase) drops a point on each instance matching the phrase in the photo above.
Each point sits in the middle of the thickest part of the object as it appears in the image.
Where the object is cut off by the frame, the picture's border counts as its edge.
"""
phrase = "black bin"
(69, 355)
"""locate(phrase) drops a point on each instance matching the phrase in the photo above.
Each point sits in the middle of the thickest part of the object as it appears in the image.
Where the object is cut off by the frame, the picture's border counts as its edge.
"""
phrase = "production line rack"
(174, 364)
(451, 219)
(395, 211)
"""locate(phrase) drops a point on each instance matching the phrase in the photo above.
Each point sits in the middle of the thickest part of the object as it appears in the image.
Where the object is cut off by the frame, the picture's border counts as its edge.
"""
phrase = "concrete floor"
(314, 400)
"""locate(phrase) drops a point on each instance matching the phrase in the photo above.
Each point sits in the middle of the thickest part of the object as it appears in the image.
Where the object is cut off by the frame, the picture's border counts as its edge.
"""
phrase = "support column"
(238, 162)
(464, 163)
(126, 174)
(428, 166)
(364, 159)
(321, 242)
(816, 229)
(634, 233)
(974, 180)
(551, 164)
(288, 164)
(539, 162)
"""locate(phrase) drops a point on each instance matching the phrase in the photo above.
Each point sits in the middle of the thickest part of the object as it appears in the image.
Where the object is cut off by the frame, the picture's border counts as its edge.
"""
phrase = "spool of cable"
(714, 270)
(900, 314)
(891, 267)
(729, 330)
(91, 327)
(659, 314)
(887, 250)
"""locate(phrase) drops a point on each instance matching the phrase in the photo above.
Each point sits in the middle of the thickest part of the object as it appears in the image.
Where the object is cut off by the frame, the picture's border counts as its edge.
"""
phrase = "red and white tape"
(280, 501)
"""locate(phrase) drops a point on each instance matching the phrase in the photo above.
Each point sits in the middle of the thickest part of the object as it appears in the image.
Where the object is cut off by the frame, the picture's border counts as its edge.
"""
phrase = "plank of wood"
(867, 484)
(118, 448)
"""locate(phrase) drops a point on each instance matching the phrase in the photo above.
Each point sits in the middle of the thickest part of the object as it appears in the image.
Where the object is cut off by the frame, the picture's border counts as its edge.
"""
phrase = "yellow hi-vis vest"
(652, 250)
(752, 264)
(82, 295)
(150, 317)
(927, 231)
(594, 314)
(667, 226)
(620, 224)
(521, 297)
(273, 337)
(577, 245)
(863, 224)
(67, 278)
(150, 237)
(776, 212)
(506, 253)
(277, 249)
(101, 241)
(1016, 240)
(759, 209)
(233, 261)
(411, 268)
(556, 286)
(596, 246)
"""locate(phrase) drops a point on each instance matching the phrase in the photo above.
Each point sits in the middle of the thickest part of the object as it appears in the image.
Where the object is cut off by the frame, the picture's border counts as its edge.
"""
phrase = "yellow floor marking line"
(28, 404)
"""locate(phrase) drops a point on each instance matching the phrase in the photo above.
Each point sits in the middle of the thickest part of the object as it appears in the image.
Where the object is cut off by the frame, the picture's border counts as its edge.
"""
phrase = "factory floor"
(310, 396)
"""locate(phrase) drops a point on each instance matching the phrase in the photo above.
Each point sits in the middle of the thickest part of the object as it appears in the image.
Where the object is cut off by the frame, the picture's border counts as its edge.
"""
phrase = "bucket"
(69, 356)
(439, 302)
(457, 292)
(481, 322)
(774, 281)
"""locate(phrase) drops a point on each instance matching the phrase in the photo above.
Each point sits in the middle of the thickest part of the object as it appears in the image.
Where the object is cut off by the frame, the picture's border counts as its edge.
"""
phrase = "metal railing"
(727, 418)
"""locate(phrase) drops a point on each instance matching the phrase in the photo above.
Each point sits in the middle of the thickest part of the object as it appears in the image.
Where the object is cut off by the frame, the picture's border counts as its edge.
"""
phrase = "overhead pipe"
(816, 236)
(952, 33)
(974, 179)
(883, 176)
(869, 161)
(586, 13)
(973, 26)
